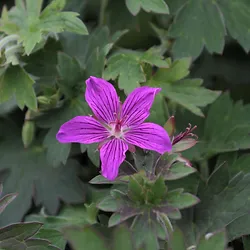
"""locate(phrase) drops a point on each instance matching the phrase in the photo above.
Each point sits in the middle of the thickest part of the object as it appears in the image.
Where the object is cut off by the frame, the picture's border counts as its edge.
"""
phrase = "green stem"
(204, 169)
(104, 4)
(131, 166)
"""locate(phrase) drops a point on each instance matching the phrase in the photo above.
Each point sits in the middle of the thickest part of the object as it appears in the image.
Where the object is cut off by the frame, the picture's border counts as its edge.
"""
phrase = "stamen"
(119, 110)
(124, 118)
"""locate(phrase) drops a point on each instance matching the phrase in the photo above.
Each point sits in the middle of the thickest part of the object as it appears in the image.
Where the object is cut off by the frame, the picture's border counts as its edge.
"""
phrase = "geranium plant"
(124, 124)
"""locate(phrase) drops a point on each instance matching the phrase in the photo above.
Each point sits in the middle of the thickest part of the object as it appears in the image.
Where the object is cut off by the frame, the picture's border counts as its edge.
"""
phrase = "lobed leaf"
(16, 81)
(208, 25)
(186, 92)
(157, 6)
(51, 185)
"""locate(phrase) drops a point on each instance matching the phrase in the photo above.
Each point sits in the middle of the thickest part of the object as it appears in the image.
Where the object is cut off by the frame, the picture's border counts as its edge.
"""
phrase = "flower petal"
(82, 129)
(137, 105)
(102, 99)
(149, 136)
(112, 154)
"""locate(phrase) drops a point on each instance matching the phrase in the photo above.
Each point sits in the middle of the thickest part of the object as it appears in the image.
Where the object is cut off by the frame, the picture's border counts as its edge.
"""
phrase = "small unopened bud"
(43, 100)
(208, 236)
(28, 132)
(193, 247)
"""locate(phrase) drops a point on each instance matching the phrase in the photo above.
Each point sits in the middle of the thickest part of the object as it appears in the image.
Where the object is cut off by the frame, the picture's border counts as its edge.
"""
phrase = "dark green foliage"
(194, 197)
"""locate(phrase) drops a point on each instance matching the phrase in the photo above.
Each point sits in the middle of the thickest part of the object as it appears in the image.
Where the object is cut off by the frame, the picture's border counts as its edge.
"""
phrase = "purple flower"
(116, 127)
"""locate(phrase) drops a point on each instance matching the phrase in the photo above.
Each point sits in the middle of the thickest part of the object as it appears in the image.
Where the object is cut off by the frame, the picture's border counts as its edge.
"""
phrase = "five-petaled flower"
(116, 127)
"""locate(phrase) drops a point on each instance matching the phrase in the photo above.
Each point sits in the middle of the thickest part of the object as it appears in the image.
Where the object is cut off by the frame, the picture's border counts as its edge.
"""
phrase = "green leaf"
(54, 6)
(55, 148)
(177, 241)
(170, 212)
(53, 236)
(136, 190)
(237, 20)
(178, 70)
(77, 215)
(71, 76)
(19, 231)
(109, 204)
(84, 47)
(230, 121)
(153, 57)
(43, 63)
(224, 198)
(190, 184)
(118, 201)
(92, 152)
(226, 129)
(239, 227)
(62, 21)
(208, 25)
(87, 237)
(127, 212)
(145, 160)
(16, 81)
(204, 27)
(6, 200)
(99, 179)
(7, 106)
(35, 37)
(52, 185)
(128, 69)
(34, 27)
(157, 191)
(42, 247)
(186, 92)
(127, 66)
(127, 20)
(148, 237)
(184, 144)
(177, 171)
(19, 236)
(122, 239)
(33, 9)
(157, 6)
(215, 241)
(181, 200)
(219, 179)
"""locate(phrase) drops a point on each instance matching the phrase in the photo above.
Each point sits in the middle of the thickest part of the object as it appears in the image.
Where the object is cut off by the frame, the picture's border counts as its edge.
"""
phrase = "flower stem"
(204, 169)
(104, 4)
(155, 165)
(131, 165)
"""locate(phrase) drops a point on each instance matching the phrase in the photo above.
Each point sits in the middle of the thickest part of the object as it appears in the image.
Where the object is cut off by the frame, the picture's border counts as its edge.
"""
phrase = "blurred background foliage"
(131, 46)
